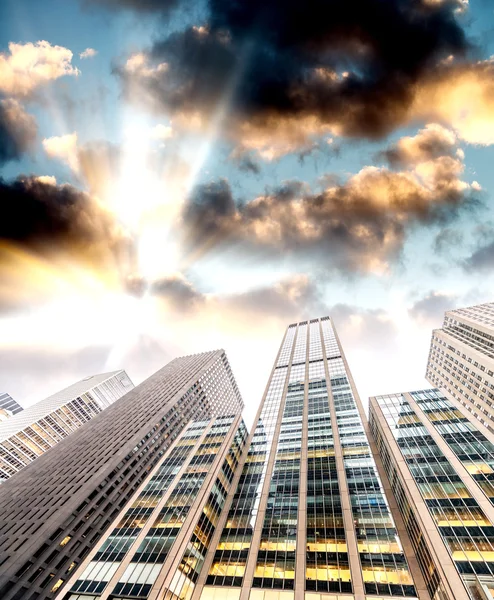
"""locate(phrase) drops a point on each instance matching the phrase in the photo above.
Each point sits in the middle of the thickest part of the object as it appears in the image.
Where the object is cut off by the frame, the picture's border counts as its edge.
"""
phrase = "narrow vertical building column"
(351, 538)
(302, 493)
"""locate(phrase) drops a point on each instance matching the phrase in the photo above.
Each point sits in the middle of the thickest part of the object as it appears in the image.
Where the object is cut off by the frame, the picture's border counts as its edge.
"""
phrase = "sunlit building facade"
(308, 516)
(54, 512)
(440, 462)
(461, 360)
(31, 432)
(159, 542)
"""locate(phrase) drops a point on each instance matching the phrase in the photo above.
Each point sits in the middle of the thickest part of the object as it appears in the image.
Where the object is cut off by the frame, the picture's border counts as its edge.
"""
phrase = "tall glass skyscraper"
(56, 509)
(440, 462)
(461, 360)
(308, 516)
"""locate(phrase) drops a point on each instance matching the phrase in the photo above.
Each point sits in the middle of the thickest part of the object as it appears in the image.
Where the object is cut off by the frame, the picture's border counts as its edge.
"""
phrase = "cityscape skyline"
(318, 501)
(264, 230)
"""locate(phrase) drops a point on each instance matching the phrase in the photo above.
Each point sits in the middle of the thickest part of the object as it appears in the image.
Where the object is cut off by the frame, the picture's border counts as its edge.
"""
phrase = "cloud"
(284, 76)
(178, 292)
(293, 298)
(482, 259)
(248, 165)
(40, 216)
(63, 147)
(447, 239)
(29, 66)
(461, 95)
(431, 308)
(18, 130)
(88, 53)
(430, 143)
(356, 226)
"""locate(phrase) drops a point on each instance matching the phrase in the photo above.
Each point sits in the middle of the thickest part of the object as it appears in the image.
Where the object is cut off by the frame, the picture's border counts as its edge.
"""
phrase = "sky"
(177, 177)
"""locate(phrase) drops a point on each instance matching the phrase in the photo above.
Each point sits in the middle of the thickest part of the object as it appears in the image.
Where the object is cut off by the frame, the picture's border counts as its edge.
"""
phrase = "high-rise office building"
(461, 360)
(308, 516)
(54, 511)
(157, 546)
(8, 403)
(27, 435)
(440, 462)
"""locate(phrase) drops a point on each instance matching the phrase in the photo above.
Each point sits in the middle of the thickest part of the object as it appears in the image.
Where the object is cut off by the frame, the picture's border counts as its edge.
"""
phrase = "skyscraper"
(55, 510)
(27, 435)
(440, 462)
(308, 515)
(8, 403)
(461, 360)
(157, 545)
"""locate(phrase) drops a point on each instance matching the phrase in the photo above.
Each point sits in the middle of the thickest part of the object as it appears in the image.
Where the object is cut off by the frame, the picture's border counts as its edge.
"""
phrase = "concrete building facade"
(440, 462)
(461, 360)
(54, 511)
(31, 432)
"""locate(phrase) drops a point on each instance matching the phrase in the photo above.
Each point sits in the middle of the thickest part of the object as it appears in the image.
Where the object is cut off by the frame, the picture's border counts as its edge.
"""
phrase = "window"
(57, 585)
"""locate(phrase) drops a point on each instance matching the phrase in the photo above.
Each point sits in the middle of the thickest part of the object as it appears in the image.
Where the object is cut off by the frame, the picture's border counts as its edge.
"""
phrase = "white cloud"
(28, 66)
(88, 53)
(47, 179)
(63, 147)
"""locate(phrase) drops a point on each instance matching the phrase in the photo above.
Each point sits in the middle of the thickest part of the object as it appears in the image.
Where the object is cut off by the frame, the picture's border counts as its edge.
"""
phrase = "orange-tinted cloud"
(461, 96)
(357, 226)
(44, 218)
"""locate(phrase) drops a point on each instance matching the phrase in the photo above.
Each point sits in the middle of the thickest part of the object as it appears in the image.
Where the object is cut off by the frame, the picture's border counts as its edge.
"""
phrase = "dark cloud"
(356, 226)
(447, 239)
(294, 298)
(208, 214)
(18, 131)
(248, 165)
(431, 308)
(179, 292)
(40, 215)
(482, 259)
(290, 69)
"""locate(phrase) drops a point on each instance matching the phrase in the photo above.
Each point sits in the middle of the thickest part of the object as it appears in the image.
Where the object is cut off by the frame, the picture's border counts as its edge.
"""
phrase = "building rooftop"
(44, 407)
